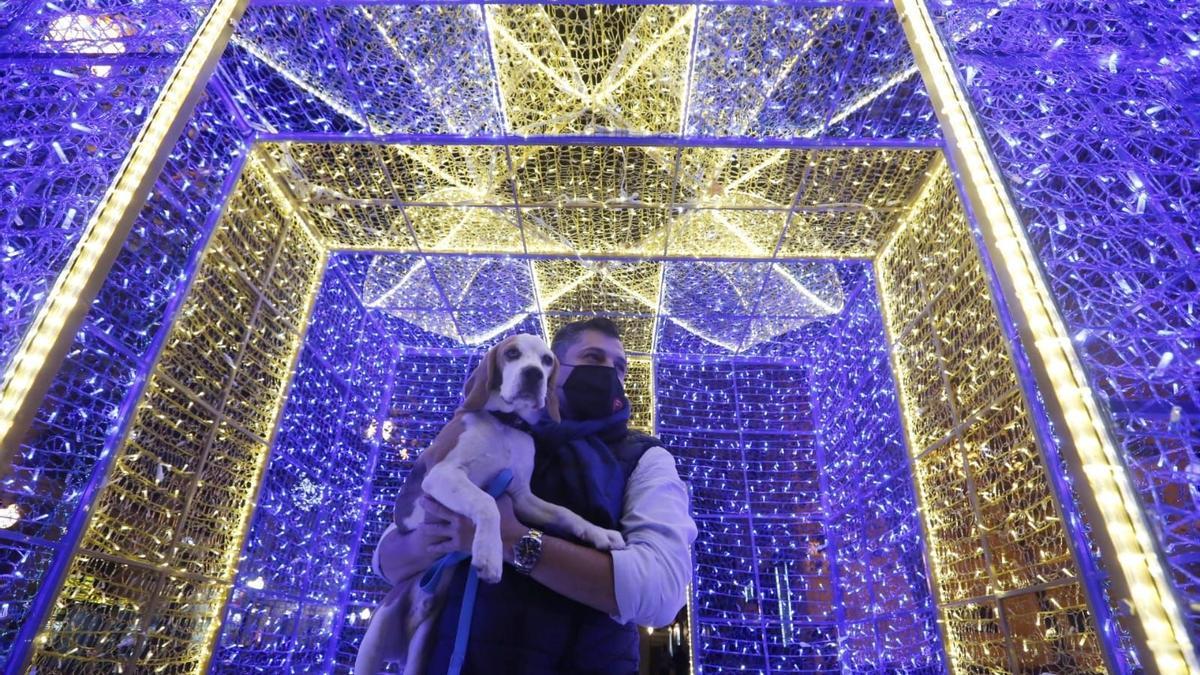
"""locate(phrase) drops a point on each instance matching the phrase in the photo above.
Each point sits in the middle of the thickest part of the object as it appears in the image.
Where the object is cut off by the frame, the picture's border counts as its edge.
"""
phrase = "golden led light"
(992, 527)
(595, 81)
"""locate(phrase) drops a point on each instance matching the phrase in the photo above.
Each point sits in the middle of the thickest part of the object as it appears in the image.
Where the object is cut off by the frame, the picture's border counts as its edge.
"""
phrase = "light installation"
(888, 469)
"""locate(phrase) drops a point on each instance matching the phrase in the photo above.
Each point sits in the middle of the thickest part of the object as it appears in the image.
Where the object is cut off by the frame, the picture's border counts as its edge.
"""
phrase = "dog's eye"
(512, 353)
(547, 360)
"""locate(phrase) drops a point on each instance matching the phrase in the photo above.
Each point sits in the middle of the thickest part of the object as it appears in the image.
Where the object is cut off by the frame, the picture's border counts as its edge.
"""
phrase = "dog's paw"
(488, 562)
(605, 540)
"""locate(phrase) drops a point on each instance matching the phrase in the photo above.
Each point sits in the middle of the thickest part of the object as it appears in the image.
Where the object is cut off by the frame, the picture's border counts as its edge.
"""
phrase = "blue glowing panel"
(293, 42)
(781, 72)
(1091, 112)
(810, 554)
(271, 102)
(880, 580)
(72, 128)
(78, 82)
(94, 389)
(425, 391)
(419, 69)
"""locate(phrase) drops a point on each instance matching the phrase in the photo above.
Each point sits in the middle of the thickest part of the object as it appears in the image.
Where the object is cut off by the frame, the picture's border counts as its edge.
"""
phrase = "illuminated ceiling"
(591, 158)
(808, 70)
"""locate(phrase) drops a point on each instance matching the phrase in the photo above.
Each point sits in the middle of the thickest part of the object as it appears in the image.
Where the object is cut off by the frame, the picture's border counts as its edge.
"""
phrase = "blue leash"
(429, 582)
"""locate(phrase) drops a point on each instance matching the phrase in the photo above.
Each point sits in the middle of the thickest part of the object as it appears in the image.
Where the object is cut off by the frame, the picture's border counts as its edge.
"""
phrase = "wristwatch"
(527, 551)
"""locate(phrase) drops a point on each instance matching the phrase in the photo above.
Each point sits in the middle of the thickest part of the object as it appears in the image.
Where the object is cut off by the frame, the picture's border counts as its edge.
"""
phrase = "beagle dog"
(517, 376)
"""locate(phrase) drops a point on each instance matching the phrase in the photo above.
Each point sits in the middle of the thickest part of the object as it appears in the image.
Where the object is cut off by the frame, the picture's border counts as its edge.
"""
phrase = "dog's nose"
(532, 374)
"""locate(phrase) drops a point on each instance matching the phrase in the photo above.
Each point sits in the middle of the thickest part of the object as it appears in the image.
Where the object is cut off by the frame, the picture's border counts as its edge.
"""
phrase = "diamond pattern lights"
(369, 194)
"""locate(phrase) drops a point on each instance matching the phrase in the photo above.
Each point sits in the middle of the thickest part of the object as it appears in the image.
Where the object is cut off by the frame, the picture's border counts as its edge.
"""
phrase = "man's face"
(593, 348)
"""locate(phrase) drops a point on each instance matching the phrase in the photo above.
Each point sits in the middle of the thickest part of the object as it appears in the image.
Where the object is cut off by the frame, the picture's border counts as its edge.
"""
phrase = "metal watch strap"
(527, 551)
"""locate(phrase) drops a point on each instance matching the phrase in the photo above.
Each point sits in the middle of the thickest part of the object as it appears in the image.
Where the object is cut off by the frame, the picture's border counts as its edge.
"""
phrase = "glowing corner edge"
(1150, 592)
(29, 362)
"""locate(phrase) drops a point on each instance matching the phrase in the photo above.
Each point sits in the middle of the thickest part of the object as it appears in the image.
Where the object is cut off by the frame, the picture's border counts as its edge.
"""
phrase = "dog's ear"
(552, 392)
(479, 385)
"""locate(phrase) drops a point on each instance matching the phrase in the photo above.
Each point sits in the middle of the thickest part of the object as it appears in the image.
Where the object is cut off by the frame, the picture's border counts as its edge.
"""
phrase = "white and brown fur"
(518, 375)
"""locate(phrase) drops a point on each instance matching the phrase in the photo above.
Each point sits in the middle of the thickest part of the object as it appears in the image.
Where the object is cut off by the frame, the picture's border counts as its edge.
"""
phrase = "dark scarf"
(583, 460)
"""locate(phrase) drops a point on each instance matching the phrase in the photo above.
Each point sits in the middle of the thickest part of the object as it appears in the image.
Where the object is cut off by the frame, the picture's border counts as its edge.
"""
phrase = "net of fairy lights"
(967, 420)
(57, 464)
(792, 569)
(467, 70)
(1108, 200)
(1010, 590)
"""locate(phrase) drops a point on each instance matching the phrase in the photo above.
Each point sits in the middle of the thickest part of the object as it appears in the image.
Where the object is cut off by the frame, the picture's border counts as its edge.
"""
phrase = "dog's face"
(521, 371)
(525, 364)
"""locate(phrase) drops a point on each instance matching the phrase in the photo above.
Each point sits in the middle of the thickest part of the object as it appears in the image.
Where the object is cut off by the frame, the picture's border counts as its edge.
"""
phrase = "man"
(563, 607)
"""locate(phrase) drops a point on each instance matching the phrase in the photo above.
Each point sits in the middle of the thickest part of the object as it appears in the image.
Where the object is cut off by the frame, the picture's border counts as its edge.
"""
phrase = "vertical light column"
(156, 562)
(1139, 575)
(1010, 593)
(53, 329)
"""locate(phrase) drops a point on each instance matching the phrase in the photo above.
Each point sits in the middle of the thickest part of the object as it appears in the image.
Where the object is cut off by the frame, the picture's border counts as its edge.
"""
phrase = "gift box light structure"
(910, 292)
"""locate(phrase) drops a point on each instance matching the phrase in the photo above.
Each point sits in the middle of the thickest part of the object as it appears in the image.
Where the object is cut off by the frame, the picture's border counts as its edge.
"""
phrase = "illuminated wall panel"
(809, 556)
(995, 537)
(154, 568)
(425, 390)
(293, 572)
(1103, 173)
(881, 590)
(78, 83)
(57, 464)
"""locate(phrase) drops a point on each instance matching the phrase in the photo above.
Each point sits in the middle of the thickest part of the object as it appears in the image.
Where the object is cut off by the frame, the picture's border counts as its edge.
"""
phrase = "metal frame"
(49, 338)
(1122, 530)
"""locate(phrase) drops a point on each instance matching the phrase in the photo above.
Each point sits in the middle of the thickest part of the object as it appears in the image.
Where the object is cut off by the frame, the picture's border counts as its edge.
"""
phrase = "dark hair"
(568, 333)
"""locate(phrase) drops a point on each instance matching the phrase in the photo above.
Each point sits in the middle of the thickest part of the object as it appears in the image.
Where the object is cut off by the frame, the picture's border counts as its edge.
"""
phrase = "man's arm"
(645, 582)
(651, 574)
(582, 574)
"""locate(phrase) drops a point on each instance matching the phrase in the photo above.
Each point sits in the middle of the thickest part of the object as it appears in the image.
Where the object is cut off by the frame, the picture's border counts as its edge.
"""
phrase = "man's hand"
(445, 531)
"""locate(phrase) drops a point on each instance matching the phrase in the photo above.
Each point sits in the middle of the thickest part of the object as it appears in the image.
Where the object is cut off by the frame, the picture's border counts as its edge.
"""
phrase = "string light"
(787, 423)
(1128, 536)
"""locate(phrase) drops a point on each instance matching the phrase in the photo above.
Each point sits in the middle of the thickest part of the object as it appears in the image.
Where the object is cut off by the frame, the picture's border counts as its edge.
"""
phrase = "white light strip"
(861, 102)
(305, 85)
(51, 324)
(1166, 636)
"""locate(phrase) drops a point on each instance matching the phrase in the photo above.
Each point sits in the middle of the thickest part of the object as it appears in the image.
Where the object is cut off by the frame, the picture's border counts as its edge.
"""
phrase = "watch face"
(528, 547)
(527, 550)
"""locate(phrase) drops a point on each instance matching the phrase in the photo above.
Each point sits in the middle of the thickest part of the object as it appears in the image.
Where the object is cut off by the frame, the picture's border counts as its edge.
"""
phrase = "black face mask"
(594, 392)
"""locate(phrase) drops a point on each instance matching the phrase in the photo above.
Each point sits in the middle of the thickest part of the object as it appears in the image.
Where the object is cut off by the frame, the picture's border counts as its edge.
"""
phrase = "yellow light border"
(1164, 636)
(292, 218)
(914, 447)
(35, 363)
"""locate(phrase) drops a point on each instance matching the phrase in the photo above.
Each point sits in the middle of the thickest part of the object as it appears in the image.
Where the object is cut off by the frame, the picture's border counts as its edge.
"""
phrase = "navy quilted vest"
(524, 628)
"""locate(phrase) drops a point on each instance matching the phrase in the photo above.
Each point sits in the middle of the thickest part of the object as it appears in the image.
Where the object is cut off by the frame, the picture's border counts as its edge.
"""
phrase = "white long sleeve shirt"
(652, 572)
